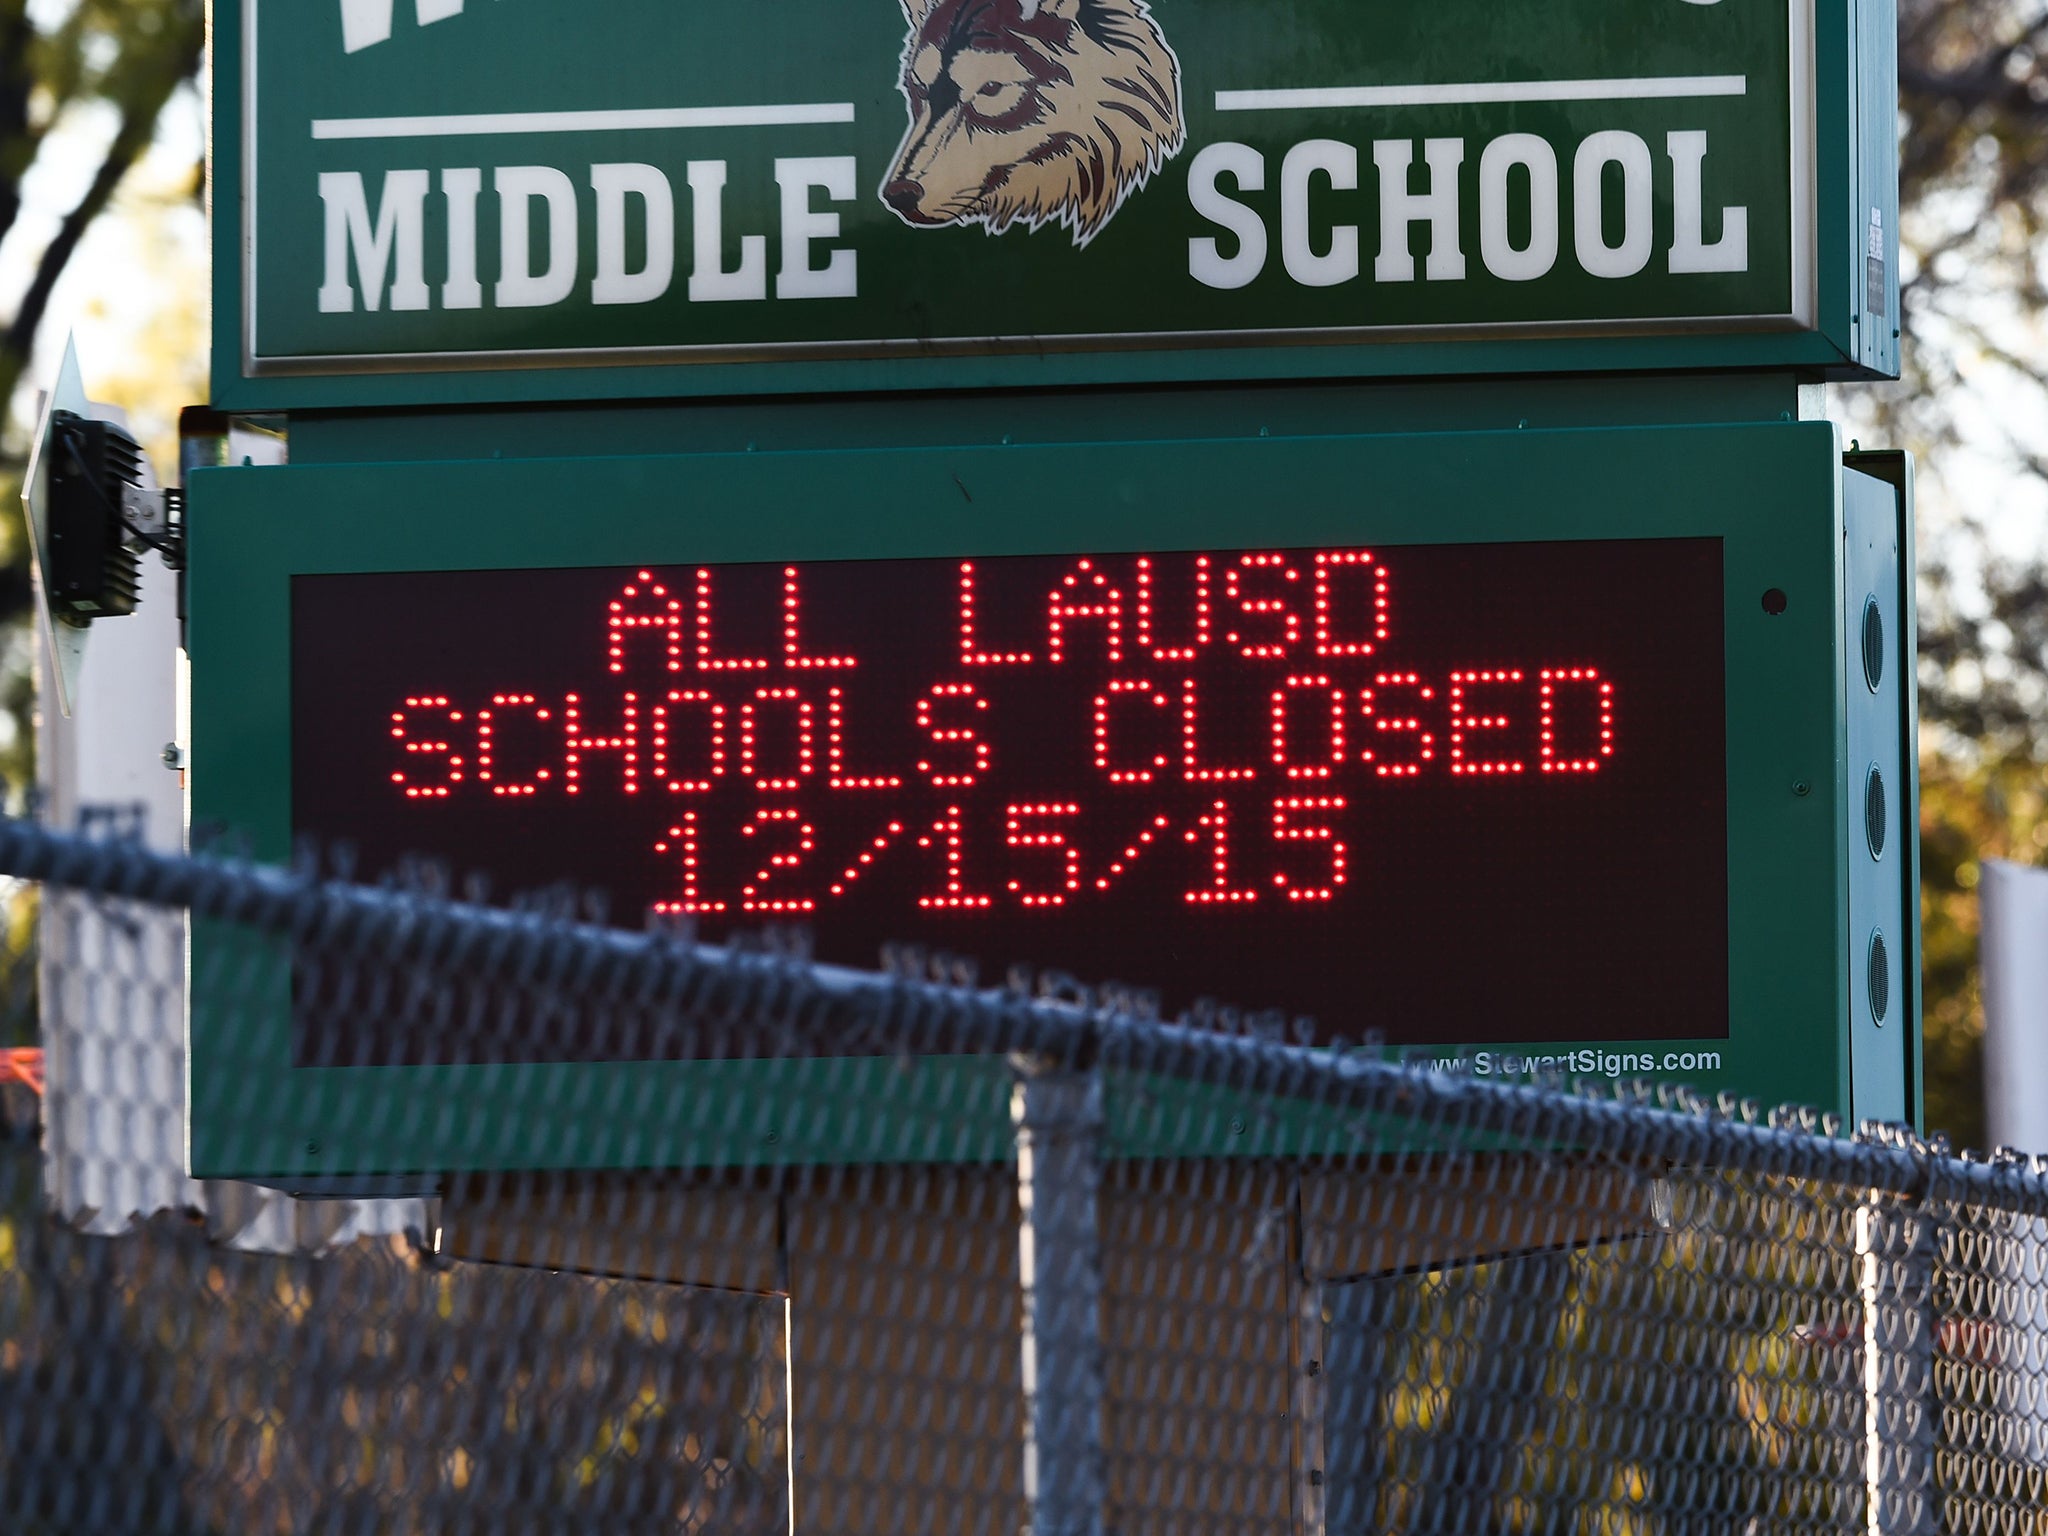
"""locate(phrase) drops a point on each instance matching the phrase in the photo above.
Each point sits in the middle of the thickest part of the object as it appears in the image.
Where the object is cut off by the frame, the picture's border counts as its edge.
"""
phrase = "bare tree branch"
(17, 85)
(19, 339)
(138, 124)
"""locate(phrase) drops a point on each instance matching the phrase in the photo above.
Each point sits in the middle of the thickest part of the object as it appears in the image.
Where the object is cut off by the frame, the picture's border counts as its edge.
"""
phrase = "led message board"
(1248, 759)
(1324, 779)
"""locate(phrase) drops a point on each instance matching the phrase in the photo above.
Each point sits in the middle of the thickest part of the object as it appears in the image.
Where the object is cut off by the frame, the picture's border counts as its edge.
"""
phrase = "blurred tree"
(129, 54)
(123, 59)
(1973, 192)
(1994, 809)
(1973, 90)
(97, 72)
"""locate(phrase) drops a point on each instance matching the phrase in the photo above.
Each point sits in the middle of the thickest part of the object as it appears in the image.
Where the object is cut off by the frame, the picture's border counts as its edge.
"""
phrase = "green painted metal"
(1147, 297)
(1895, 468)
(884, 420)
(1770, 492)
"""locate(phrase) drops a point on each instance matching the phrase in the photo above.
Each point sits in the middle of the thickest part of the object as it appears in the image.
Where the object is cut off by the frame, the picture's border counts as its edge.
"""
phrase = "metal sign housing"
(1764, 500)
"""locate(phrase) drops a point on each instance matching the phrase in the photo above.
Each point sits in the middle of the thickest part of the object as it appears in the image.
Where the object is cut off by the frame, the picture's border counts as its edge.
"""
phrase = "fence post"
(1896, 1252)
(1058, 1116)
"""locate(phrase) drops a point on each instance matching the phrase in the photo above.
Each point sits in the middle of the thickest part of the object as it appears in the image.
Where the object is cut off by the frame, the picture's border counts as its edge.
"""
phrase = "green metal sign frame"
(518, 202)
(1764, 490)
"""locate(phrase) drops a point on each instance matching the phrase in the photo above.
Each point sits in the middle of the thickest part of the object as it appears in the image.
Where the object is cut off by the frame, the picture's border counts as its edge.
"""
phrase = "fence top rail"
(915, 1014)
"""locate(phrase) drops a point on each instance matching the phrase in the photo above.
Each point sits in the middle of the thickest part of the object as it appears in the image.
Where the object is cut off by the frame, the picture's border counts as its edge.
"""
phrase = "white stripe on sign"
(582, 122)
(1642, 89)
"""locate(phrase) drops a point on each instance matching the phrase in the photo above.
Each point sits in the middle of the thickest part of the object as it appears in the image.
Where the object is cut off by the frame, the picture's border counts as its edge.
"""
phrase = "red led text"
(1217, 729)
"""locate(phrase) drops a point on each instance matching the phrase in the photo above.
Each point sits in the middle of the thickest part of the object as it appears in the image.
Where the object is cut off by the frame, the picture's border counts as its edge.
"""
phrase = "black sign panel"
(1457, 793)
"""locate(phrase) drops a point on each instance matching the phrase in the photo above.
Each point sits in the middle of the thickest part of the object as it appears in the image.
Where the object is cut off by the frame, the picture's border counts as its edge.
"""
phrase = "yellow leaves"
(1629, 1486)
(1614, 1509)
(619, 1438)
(1968, 812)
(1755, 1402)
(1414, 1407)
(294, 1298)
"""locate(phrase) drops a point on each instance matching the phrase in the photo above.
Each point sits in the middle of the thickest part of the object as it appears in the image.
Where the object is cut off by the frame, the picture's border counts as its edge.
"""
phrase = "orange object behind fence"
(22, 1064)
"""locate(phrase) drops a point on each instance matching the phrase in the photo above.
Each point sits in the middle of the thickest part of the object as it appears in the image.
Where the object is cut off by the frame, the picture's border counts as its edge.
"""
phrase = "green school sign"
(443, 202)
(1582, 805)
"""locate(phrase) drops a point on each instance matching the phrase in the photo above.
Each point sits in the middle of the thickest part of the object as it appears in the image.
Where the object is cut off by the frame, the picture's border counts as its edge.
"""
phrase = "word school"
(1512, 158)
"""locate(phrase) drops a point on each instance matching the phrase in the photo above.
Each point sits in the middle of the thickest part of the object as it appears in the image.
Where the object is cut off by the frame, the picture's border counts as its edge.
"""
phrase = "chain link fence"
(1446, 1305)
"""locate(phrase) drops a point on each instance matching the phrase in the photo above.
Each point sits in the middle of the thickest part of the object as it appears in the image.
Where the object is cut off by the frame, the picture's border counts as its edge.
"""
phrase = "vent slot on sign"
(1874, 811)
(1880, 978)
(1873, 643)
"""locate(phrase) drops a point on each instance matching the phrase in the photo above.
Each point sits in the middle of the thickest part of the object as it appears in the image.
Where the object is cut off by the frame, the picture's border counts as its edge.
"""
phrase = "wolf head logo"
(1032, 112)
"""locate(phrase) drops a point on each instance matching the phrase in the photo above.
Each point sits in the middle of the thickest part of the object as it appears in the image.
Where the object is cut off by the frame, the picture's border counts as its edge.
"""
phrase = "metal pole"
(1058, 1117)
(1895, 1247)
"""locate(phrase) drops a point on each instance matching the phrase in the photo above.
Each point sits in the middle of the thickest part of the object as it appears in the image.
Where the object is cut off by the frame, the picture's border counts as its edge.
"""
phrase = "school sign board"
(1532, 751)
(442, 201)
